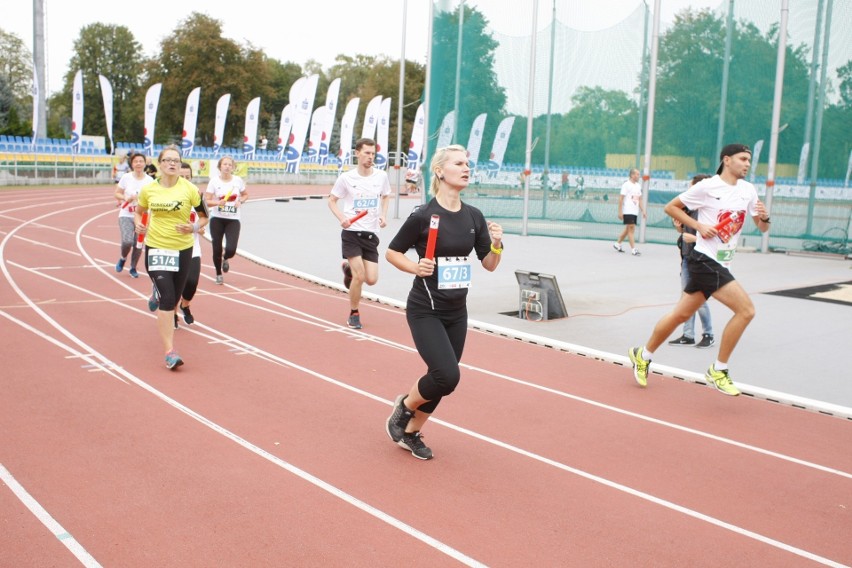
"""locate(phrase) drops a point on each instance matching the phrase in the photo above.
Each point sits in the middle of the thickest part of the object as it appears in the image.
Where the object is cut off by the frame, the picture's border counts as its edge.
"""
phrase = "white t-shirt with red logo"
(716, 201)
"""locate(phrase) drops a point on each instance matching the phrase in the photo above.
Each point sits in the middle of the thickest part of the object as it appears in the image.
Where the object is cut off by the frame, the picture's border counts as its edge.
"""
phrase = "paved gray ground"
(794, 346)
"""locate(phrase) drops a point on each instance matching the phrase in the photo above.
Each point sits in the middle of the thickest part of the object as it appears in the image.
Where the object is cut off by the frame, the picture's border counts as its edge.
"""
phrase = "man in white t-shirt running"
(364, 188)
(723, 202)
(629, 206)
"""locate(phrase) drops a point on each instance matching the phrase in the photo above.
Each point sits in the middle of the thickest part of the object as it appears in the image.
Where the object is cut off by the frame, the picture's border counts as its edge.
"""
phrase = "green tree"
(197, 55)
(689, 88)
(16, 65)
(282, 77)
(367, 76)
(479, 91)
(16, 80)
(600, 122)
(836, 143)
(111, 51)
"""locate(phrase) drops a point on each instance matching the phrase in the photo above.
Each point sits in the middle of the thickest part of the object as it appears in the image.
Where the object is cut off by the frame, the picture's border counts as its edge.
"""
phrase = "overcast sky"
(294, 30)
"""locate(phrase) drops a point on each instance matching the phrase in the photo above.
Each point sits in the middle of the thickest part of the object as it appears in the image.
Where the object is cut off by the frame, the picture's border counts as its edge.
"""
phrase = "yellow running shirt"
(168, 207)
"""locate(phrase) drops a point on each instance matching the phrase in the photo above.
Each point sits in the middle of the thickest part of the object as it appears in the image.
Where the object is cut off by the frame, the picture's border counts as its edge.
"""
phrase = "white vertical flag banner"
(803, 163)
(106, 92)
(445, 133)
(284, 130)
(219, 126)
(371, 118)
(382, 134)
(290, 152)
(152, 101)
(415, 147)
(498, 149)
(331, 104)
(317, 135)
(347, 129)
(303, 100)
(77, 113)
(190, 122)
(250, 135)
(758, 146)
(35, 103)
(474, 143)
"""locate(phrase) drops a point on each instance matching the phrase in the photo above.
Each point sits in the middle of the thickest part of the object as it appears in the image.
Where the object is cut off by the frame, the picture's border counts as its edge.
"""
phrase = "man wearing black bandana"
(723, 202)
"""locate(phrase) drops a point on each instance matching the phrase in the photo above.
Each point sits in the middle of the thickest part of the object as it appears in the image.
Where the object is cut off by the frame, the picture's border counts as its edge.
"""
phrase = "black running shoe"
(225, 266)
(398, 419)
(187, 315)
(413, 442)
(706, 341)
(682, 340)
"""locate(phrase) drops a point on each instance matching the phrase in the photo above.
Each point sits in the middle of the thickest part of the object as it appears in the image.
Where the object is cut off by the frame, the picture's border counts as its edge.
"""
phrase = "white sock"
(719, 366)
(647, 355)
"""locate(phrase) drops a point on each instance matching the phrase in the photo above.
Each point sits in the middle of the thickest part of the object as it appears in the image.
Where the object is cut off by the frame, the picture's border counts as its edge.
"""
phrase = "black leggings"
(230, 230)
(192, 279)
(439, 338)
(168, 286)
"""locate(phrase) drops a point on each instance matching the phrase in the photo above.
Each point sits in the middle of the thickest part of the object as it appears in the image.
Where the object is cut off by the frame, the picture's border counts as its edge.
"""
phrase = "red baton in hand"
(433, 237)
(358, 216)
(724, 220)
(140, 238)
(723, 228)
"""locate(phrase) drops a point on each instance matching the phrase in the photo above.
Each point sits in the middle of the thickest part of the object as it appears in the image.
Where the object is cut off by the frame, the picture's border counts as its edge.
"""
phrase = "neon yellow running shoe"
(721, 381)
(640, 365)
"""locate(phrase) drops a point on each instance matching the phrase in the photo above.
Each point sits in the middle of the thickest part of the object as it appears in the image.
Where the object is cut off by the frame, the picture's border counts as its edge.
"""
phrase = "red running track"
(268, 447)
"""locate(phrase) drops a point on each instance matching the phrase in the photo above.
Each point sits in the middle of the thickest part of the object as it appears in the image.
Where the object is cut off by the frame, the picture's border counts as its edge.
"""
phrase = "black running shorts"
(360, 243)
(705, 274)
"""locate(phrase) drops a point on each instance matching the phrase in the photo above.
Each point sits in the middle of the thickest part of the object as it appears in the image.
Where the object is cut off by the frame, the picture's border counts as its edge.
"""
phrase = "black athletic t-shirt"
(459, 233)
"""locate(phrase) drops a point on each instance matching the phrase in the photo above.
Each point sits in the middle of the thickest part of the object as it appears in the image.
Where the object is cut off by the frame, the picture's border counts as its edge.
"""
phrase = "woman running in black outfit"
(437, 304)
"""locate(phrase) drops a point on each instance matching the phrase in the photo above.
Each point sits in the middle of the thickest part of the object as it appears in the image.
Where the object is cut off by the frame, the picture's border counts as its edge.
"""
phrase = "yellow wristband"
(496, 250)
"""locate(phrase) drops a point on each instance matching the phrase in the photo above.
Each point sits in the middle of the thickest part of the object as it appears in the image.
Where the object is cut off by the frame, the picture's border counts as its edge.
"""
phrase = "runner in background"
(364, 188)
(225, 194)
(198, 223)
(126, 193)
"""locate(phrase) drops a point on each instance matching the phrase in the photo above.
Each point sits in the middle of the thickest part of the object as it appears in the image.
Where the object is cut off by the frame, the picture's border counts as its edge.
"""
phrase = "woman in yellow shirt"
(168, 241)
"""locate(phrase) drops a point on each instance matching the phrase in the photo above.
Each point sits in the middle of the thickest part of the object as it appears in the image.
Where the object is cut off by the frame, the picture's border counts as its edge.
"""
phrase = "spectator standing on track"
(198, 224)
(629, 205)
(436, 309)
(225, 194)
(364, 188)
(126, 193)
(686, 244)
(168, 242)
(723, 201)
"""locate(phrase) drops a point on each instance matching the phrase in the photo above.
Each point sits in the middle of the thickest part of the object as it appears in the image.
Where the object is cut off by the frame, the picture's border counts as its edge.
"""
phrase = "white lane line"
(361, 335)
(564, 467)
(317, 482)
(662, 502)
(47, 520)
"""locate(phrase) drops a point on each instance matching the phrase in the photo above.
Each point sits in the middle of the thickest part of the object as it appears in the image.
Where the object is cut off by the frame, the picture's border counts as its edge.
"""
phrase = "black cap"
(730, 150)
